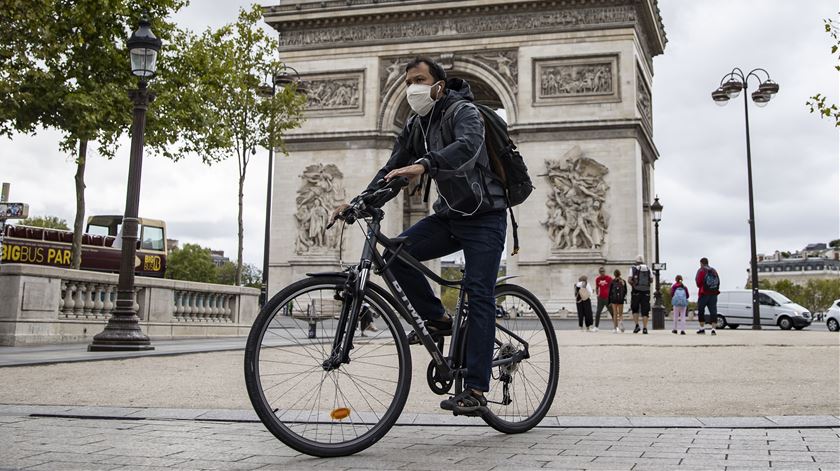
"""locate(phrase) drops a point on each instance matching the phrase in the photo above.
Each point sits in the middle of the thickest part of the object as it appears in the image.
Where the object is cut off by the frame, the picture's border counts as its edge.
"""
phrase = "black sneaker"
(701, 332)
(674, 331)
(713, 332)
(644, 331)
(437, 328)
(682, 332)
(637, 329)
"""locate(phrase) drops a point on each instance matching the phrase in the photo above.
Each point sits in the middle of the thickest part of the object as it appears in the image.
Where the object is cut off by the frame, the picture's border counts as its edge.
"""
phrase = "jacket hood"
(458, 89)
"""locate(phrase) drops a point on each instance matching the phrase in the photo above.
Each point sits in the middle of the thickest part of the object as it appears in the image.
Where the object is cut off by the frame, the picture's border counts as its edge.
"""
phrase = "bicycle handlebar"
(360, 205)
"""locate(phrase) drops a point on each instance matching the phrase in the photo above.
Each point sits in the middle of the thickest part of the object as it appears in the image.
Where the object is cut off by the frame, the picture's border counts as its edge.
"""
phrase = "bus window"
(97, 230)
(152, 238)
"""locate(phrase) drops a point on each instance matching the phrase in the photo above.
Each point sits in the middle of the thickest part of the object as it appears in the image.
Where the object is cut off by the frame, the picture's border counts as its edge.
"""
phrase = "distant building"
(218, 257)
(814, 262)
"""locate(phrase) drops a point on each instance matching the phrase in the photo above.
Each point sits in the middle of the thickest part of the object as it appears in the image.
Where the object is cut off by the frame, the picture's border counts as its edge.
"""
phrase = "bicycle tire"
(281, 359)
(533, 380)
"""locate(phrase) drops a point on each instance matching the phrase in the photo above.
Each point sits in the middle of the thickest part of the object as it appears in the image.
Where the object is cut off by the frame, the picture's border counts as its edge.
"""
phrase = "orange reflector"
(340, 414)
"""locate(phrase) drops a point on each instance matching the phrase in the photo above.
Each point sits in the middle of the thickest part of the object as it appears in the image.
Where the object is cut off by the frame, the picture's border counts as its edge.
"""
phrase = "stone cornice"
(364, 22)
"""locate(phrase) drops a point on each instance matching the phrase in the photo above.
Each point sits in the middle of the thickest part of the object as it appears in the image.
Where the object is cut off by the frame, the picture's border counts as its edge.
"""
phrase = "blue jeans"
(482, 238)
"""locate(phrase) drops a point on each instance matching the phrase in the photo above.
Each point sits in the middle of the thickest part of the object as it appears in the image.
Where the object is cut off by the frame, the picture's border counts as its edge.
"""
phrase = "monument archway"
(574, 79)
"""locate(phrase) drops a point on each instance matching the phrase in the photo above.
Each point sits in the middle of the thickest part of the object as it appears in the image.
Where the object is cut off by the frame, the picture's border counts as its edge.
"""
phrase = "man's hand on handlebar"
(361, 205)
(337, 212)
(411, 171)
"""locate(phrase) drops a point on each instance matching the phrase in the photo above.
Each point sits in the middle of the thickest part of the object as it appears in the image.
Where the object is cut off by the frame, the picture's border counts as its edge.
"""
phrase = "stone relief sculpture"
(577, 217)
(333, 93)
(321, 190)
(644, 101)
(578, 79)
(505, 63)
(477, 24)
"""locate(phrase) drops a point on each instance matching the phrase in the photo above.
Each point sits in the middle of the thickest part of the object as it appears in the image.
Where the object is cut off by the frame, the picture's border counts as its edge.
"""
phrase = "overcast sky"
(700, 178)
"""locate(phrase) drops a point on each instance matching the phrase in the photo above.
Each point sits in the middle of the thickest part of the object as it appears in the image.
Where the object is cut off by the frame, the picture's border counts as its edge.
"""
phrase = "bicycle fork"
(352, 304)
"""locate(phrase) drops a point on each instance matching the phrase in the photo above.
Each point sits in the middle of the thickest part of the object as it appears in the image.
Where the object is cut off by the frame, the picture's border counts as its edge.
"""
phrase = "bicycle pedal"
(476, 413)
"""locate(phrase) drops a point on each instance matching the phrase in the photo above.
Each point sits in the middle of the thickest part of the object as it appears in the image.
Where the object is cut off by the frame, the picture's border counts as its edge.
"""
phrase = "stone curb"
(235, 415)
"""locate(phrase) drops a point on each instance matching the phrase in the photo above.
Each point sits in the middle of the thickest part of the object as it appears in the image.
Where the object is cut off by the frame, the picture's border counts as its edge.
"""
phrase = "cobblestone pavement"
(59, 443)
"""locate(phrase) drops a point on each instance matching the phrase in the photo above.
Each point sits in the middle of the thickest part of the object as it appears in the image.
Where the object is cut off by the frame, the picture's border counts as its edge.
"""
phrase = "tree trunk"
(79, 222)
(241, 229)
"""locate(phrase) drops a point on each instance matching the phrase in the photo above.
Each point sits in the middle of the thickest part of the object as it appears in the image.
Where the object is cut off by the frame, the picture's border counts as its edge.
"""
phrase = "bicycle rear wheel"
(312, 408)
(521, 393)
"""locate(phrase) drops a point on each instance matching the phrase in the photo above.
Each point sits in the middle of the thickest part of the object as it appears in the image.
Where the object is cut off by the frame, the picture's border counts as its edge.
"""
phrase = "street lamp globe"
(720, 97)
(656, 209)
(732, 88)
(769, 87)
(760, 98)
(143, 48)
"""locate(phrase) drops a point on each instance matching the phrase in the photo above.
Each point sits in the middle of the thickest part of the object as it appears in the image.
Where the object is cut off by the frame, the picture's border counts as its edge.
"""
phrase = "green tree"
(834, 243)
(233, 62)
(817, 103)
(191, 263)
(50, 222)
(65, 65)
(251, 275)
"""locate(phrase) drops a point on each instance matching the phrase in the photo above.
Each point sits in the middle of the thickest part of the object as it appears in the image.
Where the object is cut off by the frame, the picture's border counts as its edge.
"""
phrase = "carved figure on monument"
(505, 63)
(577, 218)
(320, 191)
(333, 93)
(581, 79)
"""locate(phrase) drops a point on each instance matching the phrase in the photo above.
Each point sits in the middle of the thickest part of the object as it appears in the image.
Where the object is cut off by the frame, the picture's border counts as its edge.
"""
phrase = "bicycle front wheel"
(316, 409)
(522, 391)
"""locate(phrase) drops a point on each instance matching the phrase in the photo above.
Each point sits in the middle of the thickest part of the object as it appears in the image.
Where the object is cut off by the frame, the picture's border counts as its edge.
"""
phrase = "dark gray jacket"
(459, 165)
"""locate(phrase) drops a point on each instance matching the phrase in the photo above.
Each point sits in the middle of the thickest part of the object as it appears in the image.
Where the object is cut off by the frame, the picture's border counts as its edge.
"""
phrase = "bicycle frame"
(447, 366)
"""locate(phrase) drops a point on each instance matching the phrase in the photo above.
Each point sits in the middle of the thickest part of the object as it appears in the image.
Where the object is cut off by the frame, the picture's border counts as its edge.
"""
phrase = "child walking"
(618, 295)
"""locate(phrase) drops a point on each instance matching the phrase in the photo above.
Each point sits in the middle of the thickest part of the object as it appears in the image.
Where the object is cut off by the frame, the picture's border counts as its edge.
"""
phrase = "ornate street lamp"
(658, 308)
(281, 78)
(123, 332)
(730, 86)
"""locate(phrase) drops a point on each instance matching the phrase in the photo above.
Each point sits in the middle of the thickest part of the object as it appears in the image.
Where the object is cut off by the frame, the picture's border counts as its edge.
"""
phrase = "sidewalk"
(155, 439)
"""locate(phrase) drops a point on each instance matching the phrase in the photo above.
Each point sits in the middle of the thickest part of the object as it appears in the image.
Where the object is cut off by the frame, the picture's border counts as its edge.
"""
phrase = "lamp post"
(658, 308)
(730, 87)
(123, 332)
(283, 79)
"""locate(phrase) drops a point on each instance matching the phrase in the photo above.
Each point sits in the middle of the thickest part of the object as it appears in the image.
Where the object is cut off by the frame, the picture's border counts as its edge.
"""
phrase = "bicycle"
(340, 393)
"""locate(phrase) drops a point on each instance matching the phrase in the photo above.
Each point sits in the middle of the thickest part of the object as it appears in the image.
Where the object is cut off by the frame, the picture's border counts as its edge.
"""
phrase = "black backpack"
(618, 290)
(506, 163)
(711, 282)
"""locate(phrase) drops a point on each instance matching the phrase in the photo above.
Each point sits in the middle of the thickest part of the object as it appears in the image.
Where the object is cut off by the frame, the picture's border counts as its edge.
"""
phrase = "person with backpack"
(640, 278)
(617, 296)
(583, 303)
(445, 141)
(708, 283)
(679, 301)
(602, 285)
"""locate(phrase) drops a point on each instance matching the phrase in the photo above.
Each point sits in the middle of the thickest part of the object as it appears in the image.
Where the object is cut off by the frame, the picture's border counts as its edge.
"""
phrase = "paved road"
(58, 443)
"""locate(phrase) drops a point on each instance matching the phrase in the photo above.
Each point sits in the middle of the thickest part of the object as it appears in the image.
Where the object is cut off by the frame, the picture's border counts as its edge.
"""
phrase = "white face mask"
(420, 98)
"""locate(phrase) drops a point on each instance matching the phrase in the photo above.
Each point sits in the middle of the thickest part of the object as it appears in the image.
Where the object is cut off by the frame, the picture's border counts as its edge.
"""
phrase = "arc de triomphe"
(573, 77)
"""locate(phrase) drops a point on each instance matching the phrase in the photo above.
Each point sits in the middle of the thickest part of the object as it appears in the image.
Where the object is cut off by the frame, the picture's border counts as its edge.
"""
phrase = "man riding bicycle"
(469, 215)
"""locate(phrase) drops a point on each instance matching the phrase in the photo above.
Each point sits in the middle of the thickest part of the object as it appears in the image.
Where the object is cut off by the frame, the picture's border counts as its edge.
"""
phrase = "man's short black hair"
(436, 69)
(704, 261)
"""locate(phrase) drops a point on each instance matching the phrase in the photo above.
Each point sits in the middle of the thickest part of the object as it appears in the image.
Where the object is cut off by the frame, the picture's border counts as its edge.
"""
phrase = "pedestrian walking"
(679, 301)
(583, 303)
(640, 277)
(602, 287)
(618, 293)
(708, 284)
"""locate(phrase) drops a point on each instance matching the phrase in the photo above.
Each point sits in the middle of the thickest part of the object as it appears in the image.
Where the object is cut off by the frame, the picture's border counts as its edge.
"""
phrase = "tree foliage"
(191, 263)
(65, 65)
(50, 222)
(251, 275)
(815, 295)
(818, 103)
(226, 68)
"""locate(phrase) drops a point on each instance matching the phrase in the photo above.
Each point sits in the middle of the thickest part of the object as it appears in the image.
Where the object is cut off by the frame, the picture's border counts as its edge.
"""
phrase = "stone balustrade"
(40, 305)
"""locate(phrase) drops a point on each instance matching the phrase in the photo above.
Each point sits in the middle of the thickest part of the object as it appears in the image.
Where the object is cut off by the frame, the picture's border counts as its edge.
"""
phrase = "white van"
(735, 309)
